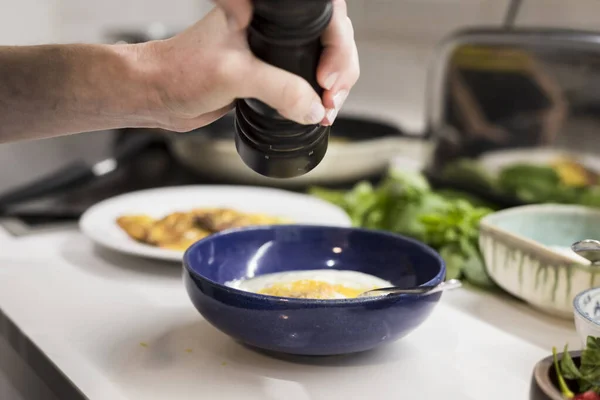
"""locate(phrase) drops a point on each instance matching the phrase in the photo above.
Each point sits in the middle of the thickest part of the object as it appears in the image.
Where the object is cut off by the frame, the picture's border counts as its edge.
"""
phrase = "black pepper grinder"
(286, 34)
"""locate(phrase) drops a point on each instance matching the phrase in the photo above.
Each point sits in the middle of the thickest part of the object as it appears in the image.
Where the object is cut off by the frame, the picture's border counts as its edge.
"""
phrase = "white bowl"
(586, 307)
(525, 252)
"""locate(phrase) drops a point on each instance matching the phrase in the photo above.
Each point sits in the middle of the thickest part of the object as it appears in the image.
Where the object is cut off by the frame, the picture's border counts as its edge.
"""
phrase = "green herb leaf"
(592, 343)
(530, 183)
(404, 203)
(475, 272)
(469, 172)
(567, 367)
(589, 196)
(451, 194)
(561, 380)
(590, 362)
(410, 179)
(584, 385)
(454, 260)
(336, 197)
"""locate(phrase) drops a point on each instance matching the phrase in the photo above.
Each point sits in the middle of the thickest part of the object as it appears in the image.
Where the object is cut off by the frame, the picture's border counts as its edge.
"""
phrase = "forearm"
(55, 90)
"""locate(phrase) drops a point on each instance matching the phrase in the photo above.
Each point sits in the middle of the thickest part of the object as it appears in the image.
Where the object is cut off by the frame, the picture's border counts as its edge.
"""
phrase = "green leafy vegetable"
(590, 364)
(561, 380)
(474, 270)
(356, 202)
(455, 261)
(455, 229)
(567, 367)
(470, 172)
(590, 196)
(404, 203)
(456, 223)
(451, 194)
(530, 183)
(542, 184)
(587, 375)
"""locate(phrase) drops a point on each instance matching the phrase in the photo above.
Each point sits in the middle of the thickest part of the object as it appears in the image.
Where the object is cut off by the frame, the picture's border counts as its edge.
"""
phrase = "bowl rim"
(489, 223)
(578, 311)
(438, 278)
(536, 208)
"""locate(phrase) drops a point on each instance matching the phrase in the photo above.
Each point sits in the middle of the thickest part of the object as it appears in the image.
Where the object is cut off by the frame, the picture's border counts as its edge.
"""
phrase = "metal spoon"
(422, 290)
(588, 249)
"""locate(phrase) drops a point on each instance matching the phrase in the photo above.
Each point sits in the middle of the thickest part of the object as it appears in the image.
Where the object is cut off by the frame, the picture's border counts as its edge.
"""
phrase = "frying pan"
(359, 148)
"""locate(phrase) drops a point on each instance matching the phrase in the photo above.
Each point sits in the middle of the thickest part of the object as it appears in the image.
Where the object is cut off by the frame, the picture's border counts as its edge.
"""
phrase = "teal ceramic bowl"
(527, 253)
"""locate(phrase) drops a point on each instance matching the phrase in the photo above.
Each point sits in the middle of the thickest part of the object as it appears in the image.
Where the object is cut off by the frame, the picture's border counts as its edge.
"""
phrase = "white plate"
(495, 161)
(99, 221)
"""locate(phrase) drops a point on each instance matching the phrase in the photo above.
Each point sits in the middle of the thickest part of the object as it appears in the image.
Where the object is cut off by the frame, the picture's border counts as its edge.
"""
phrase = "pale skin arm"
(54, 90)
(178, 84)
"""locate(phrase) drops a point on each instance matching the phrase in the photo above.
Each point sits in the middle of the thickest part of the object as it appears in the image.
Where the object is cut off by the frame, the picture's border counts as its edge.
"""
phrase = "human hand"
(199, 73)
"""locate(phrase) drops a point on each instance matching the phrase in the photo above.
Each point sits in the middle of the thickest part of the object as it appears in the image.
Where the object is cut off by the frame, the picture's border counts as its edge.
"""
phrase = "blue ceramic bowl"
(306, 326)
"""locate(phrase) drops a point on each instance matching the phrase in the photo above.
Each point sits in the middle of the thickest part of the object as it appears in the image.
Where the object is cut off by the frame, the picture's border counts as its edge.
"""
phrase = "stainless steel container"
(500, 99)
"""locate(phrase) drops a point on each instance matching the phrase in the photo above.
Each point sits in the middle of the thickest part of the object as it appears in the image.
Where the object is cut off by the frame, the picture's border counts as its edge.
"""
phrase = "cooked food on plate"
(326, 284)
(574, 173)
(179, 230)
(562, 179)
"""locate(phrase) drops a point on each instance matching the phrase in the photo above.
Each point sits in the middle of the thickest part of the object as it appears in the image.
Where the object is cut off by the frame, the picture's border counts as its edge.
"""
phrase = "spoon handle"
(448, 285)
(422, 290)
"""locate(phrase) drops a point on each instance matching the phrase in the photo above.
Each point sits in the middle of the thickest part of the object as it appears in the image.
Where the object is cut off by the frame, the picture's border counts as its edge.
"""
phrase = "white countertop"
(123, 328)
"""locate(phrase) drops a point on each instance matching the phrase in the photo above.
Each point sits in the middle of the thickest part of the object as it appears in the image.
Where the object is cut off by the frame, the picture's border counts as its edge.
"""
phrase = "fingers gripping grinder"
(286, 34)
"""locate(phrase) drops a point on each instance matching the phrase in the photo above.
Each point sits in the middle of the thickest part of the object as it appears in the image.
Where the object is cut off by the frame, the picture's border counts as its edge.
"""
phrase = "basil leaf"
(474, 271)
(567, 366)
(455, 261)
(592, 343)
(590, 361)
(561, 380)
(405, 203)
(584, 385)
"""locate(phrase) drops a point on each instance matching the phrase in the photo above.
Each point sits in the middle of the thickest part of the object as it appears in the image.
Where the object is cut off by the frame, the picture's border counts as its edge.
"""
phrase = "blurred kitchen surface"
(396, 39)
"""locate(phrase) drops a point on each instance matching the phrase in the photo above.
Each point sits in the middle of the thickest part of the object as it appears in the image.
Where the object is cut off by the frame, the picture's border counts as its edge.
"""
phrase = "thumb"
(238, 13)
(289, 94)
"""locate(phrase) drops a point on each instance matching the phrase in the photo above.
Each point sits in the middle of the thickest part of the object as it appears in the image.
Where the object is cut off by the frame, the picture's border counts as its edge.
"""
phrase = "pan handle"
(66, 177)
(75, 174)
